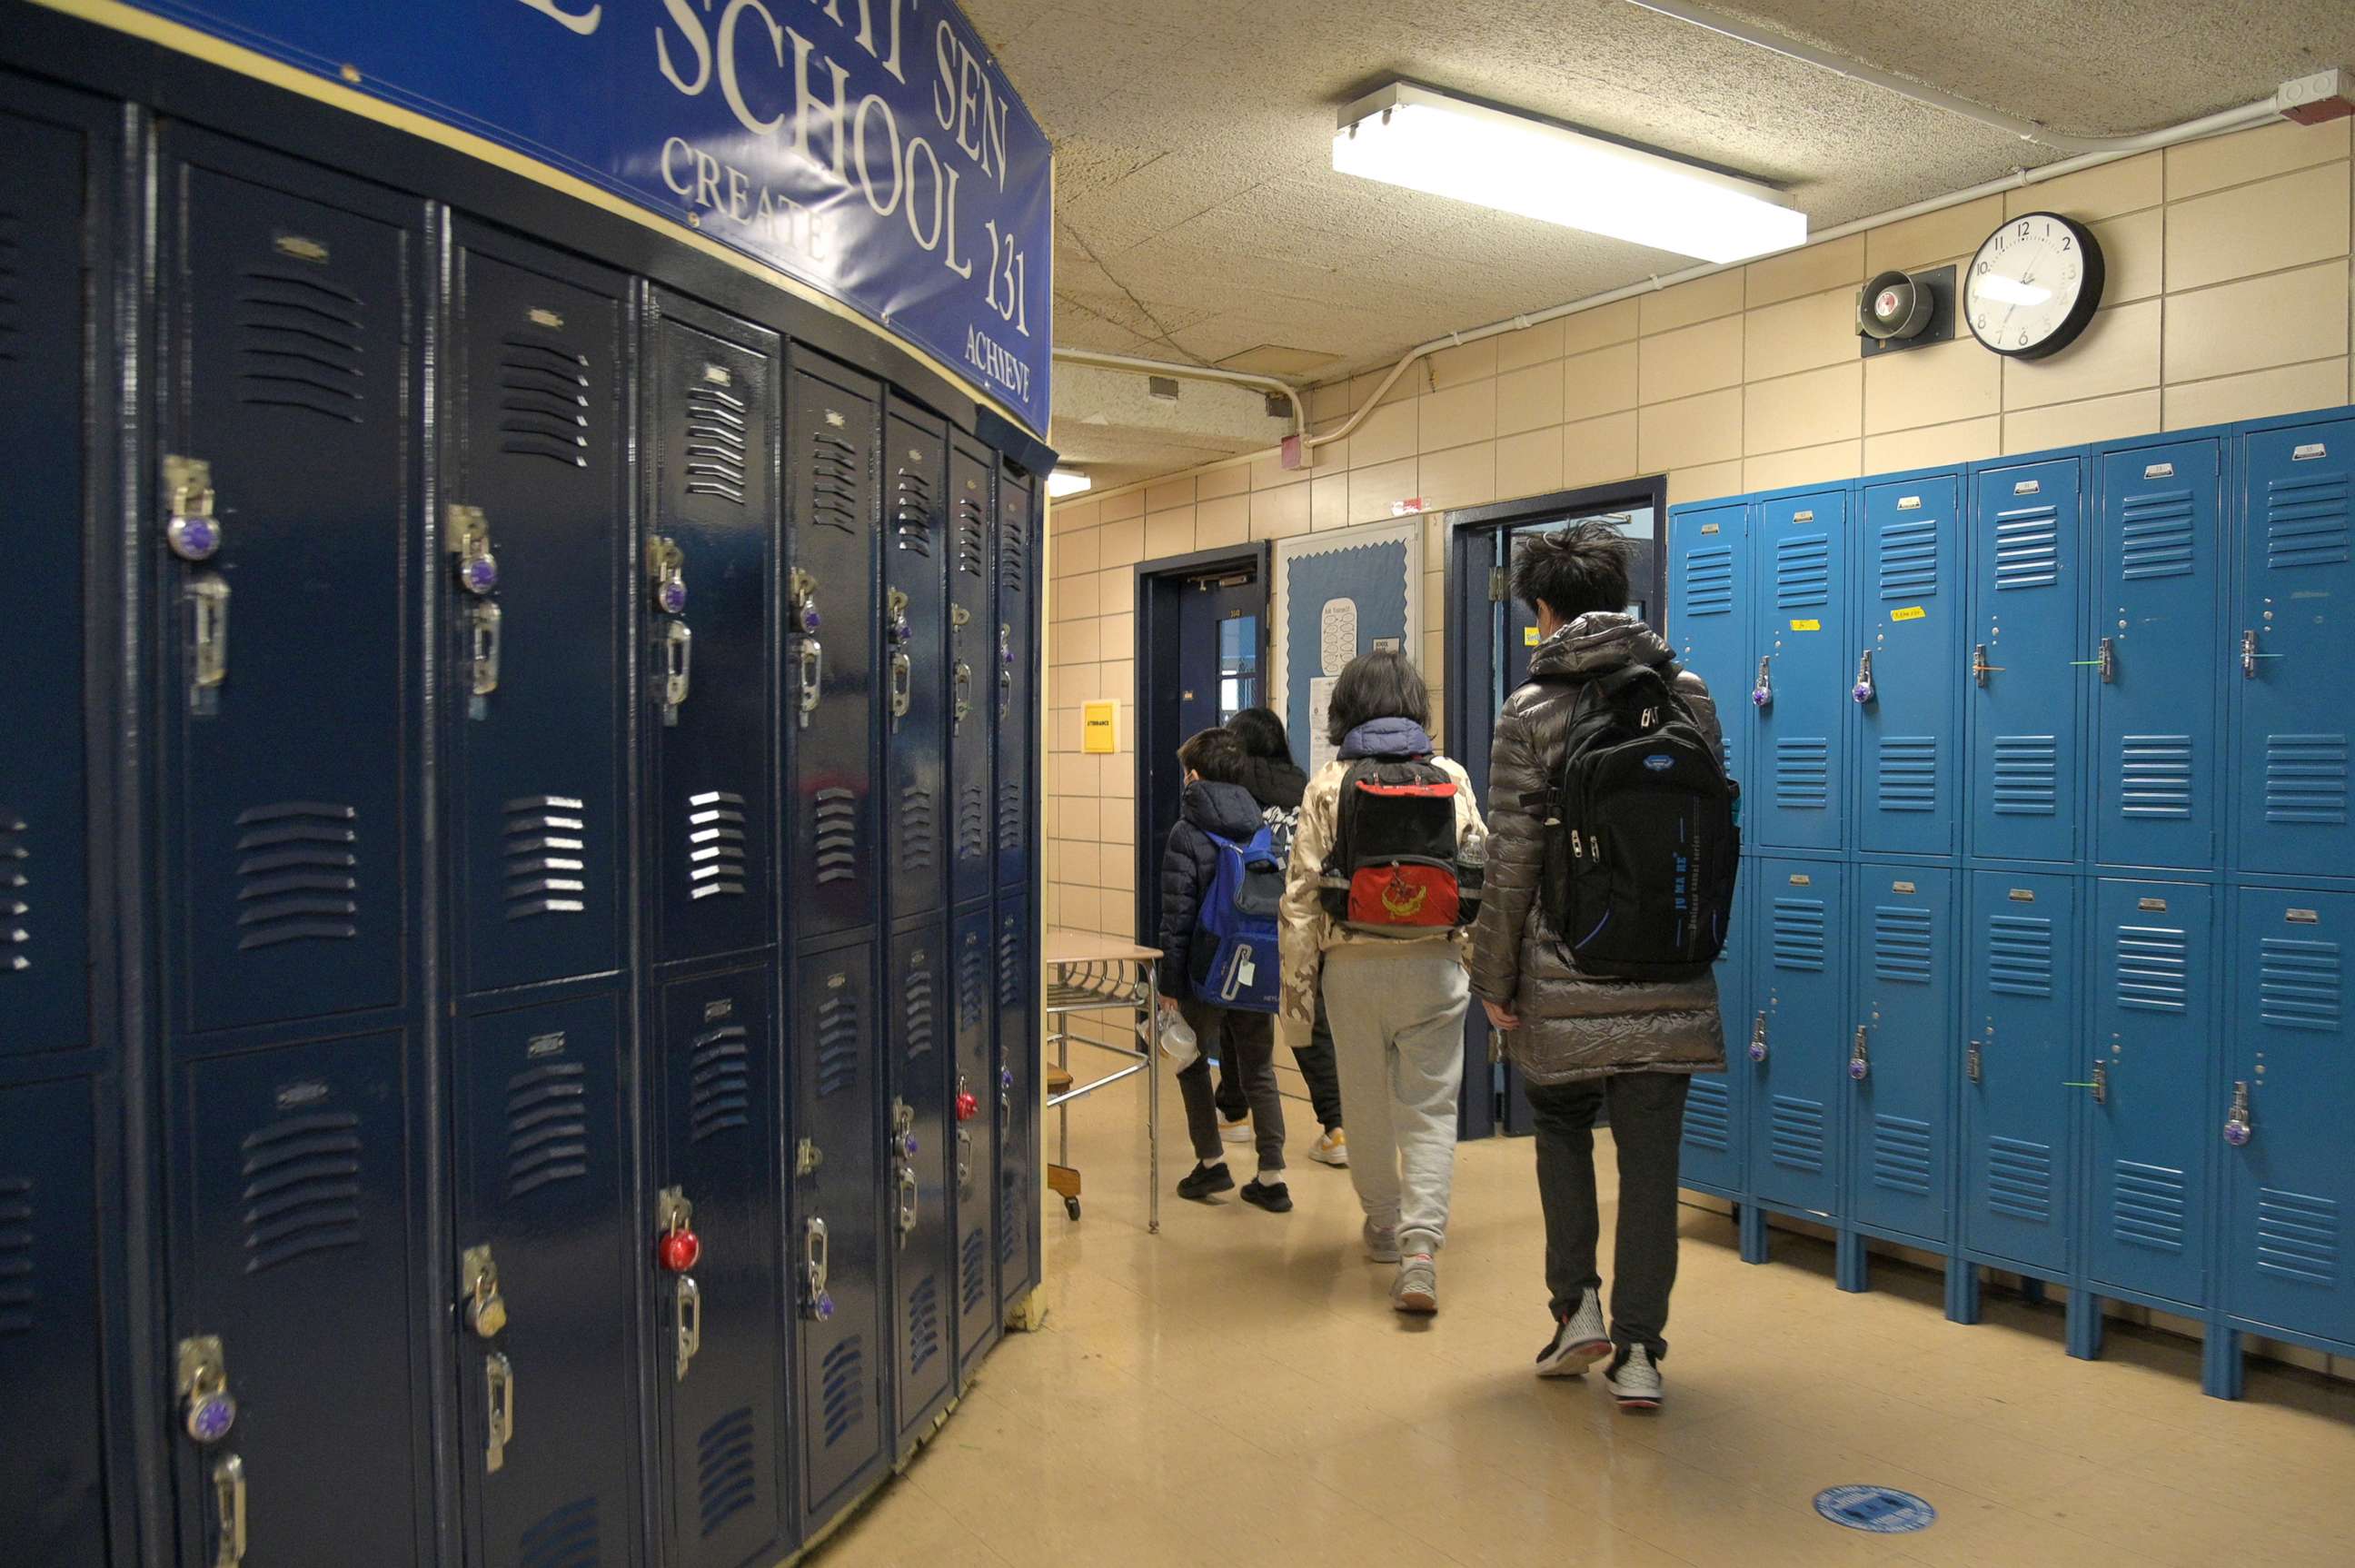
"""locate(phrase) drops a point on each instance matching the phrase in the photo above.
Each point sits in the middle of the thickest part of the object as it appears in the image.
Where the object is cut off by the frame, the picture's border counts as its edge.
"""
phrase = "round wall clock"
(2034, 284)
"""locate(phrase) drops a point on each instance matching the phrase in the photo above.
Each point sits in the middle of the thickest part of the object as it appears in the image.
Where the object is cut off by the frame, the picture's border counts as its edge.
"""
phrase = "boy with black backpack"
(1220, 885)
(1611, 863)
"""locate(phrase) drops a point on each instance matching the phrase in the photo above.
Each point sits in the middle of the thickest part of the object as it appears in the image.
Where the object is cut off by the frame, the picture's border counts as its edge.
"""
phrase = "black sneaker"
(1205, 1180)
(1273, 1196)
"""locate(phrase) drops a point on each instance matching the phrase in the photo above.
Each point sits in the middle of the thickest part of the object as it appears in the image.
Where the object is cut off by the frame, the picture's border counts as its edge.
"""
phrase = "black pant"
(1316, 1059)
(1245, 1046)
(1647, 1123)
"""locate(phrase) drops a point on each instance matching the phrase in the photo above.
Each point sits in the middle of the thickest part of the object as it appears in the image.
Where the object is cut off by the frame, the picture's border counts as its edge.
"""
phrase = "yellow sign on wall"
(1100, 727)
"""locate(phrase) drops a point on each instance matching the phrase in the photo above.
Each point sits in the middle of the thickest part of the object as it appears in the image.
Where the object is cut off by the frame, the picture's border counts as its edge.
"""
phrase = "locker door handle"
(1758, 1039)
(499, 1400)
(812, 676)
(819, 1302)
(228, 1511)
(910, 1197)
(1864, 691)
(678, 661)
(964, 1158)
(1980, 669)
(687, 1315)
(2108, 659)
(964, 694)
(2249, 656)
(1005, 672)
(2238, 1128)
(1762, 690)
(484, 624)
(2101, 1083)
(1860, 1058)
(207, 595)
(1971, 1062)
(903, 686)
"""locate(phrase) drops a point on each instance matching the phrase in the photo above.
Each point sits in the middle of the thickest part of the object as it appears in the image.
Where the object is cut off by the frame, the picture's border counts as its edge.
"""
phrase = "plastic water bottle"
(1178, 1040)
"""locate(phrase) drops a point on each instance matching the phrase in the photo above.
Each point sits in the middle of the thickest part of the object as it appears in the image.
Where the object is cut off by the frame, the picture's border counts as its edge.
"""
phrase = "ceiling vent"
(1162, 387)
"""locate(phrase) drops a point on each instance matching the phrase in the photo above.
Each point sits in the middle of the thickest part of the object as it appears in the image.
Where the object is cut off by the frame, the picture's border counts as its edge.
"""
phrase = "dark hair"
(1214, 754)
(1261, 732)
(1379, 685)
(1583, 567)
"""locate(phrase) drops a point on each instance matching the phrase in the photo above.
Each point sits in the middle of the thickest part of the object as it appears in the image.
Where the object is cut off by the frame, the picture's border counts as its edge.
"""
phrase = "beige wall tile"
(1458, 414)
(1063, 729)
(2284, 390)
(1078, 817)
(1075, 598)
(1123, 542)
(1329, 501)
(2134, 255)
(1530, 398)
(2118, 353)
(1931, 446)
(1706, 429)
(1594, 451)
(1804, 465)
(1530, 345)
(1705, 482)
(2284, 319)
(1529, 464)
(2069, 425)
(2263, 228)
(1682, 306)
(1267, 470)
(2127, 186)
(1163, 495)
(1168, 533)
(1932, 237)
(1076, 553)
(1213, 483)
(1224, 521)
(1602, 381)
(1077, 642)
(1280, 514)
(1937, 385)
(1329, 402)
(1698, 359)
(1117, 677)
(1464, 362)
(1361, 387)
(1373, 490)
(1614, 323)
(1799, 335)
(1388, 434)
(1811, 269)
(2198, 166)
(1808, 409)
(1128, 504)
(1460, 476)
(1072, 516)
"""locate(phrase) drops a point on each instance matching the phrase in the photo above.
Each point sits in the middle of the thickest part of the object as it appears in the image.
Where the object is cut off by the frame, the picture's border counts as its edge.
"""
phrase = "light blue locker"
(1798, 1051)
(2294, 660)
(1909, 621)
(1802, 677)
(2019, 1050)
(2283, 1119)
(2026, 525)
(1899, 1144)
(1716, 1107)
(2150, 1122)
(1710, 573)
(2156, 648)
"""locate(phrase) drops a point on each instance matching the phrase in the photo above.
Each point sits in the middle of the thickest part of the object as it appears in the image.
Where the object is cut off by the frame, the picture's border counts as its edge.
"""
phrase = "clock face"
(2034, 284)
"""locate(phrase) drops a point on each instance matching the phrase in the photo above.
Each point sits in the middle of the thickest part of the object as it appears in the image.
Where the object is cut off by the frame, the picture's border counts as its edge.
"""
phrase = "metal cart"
(1090, 974)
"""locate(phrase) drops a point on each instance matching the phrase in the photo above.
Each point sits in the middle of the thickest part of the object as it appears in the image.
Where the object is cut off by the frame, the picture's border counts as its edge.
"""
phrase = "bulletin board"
(1337, 595)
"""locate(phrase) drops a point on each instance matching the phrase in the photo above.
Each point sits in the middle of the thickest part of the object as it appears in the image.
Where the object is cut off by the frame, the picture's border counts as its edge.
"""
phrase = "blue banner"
(870, 148)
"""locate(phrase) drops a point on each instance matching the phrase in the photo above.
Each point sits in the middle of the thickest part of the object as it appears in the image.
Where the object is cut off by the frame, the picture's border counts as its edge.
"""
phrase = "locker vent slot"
(1010, 834)
(923, 1323)
(2027, 548)
(295, 876)
(2020, 956)
(2027, 776)
(973, 538)
(2298, 985)
(1708, 580)
(912, 512)
(2147, 1206)
(2298, 1237)
(545, 842)
(973, 822)
(715, 845)
(1799, 934)
(1009, 964)
(16, 911)
(973, 984)
(18, 1295)
(974, 1269)
(1803, 773)
(543, 403)
(1012, 550)
(2155, 536)
(300, 344)
(838, 1044)
(727, 1474)
(916, 829)
(834, 477)
(1796, 1132)
(720, 1081)
(2306, 779)
(302, 1189)
(1909, 773)
(715, 443)
(12, 326)
(1009, 1218)
(917, 986)
(834, 827)
(2019, 1179)
(1803, 571)
(548, 1126)
(2306, 521)
(2154, 969)
(1901, 1154)
(844, 1374)
(2155, 776)
(1902, 944)
(1909, 560)
(565, 1537)
(1709, 1115)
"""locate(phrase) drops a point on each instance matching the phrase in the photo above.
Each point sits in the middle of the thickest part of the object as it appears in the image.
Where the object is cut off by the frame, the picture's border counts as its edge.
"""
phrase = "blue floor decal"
(1883, 1510)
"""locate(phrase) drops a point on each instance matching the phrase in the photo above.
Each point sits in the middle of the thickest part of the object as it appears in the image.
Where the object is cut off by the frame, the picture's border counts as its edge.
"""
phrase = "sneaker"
(1579, 1341)
(1417, 1289)
(1381, 1243)
(1238, 1131)
(1272, 1196)
(1332, 1149)
(1633, 1380)
(1205, 1180)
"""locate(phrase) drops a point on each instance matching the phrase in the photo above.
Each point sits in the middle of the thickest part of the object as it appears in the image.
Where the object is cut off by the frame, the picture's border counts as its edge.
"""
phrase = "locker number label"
(1910, 612)
(1807, 625)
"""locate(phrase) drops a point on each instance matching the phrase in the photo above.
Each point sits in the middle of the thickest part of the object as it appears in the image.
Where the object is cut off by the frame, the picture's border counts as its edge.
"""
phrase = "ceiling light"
(1066, 482)
(1451, 147)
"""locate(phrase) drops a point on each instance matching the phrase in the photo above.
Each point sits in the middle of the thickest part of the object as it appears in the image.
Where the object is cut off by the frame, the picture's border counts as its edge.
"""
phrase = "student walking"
(1384, 875)
(1628, 1018)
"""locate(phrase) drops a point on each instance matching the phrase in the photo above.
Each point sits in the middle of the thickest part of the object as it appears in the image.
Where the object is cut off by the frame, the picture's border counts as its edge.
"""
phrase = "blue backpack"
(1235, 962)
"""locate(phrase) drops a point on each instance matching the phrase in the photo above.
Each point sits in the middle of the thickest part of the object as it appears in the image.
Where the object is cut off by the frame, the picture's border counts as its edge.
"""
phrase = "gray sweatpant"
(1398, 1039)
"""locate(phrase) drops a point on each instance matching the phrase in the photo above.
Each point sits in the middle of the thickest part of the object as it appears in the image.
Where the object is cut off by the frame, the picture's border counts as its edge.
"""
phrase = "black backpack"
(1640, 838)
(1397, 868)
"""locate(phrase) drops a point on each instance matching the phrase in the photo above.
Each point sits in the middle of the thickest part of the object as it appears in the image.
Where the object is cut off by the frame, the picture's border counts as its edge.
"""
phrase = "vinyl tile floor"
(1236, 1391)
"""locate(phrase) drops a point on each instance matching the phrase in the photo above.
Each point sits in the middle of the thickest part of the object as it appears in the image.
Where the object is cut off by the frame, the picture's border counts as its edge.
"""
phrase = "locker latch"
(477, 570)
(2106, 659)
(1860, 1058)
(2101, 1083)
(1971, 1060)
(677, 1248)
(897, 634)
(1980, 669)
(1005, 1101)
(807, 1158)
(666, 574)
(208, 1409)
(902, 1147)
(675, 645)
(228, 1511)
(1005, 672)
(207, 595)
(498, 1410)
(1762, 692)
(959, 618)
(816, 1300)
(189, 527)
(2238, 1128)
(811, 662)
(964, 1158)
(1863, 690)
(1758, 1039)
(486, 1309)
(2249, 654)
(677, 663)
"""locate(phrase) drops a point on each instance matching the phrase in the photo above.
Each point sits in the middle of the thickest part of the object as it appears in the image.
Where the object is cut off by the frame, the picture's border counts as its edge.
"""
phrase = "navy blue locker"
(548, 1283)
(2152, 969)
(1718, 1104)
(534, 543)
(837, 1227)
(973, 520)
(2020, 1027)
(2296, 652)
(1016, 970)
(2026, 754)
(974, 1100)
(719, 1312)
(915, 549)
(1908, 637)
(2290, 1182)
(1710, 573)
(1798, 1048)
(1903, 1051)
(51, 1487)
(2157, 647)
(918, 1144)
(1015, 682)
(1800, 689)
(831, 612)
(708, 593)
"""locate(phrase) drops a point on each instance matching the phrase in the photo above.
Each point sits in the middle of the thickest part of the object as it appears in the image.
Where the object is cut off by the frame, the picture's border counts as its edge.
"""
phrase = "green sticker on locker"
(1807, 625)
(1911, 613)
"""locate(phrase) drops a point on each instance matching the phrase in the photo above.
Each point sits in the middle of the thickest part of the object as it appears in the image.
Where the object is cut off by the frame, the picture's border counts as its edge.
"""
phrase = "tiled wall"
(2228, 298)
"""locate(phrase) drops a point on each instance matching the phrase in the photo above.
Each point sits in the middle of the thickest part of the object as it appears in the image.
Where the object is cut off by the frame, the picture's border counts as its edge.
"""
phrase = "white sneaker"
(1579, 1341)
(1332, 1149)
(1635, 1381)
(1416, 1290)
(1381, 1243)
(1235, 1132)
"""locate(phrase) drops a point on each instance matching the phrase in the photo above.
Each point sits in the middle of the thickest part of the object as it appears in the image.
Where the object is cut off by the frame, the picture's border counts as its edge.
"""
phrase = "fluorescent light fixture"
(1428, 141)
(1065, 482)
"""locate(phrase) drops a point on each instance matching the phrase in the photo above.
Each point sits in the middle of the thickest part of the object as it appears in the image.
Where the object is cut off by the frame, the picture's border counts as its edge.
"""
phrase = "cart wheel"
(1071, 1207)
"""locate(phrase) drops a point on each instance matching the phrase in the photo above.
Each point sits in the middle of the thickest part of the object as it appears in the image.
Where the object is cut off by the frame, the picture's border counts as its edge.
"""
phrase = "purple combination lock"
(672, 596)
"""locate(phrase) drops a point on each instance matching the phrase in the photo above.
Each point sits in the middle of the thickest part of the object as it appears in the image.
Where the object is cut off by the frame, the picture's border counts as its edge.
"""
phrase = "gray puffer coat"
(1573, 1026)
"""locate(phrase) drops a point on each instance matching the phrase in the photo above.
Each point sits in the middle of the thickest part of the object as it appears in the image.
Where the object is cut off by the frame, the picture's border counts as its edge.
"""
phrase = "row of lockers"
(516, 1029)
(2132, 655)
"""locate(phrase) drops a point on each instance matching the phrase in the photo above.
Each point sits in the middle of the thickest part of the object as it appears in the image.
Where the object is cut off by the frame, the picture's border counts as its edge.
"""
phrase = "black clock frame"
(2080, 314)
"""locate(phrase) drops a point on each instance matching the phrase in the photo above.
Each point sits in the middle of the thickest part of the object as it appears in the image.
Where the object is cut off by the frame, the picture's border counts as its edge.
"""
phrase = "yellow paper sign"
(1100, 727)
(1528, 636)
(1911, 613)
(1807, 625)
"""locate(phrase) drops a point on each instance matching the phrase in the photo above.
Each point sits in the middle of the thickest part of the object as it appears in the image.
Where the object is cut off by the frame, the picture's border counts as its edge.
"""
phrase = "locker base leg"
(2223, 1372)
(1750, 1224)
(1851, 1266)
(2084, 1325)
(1029, 1314)
(2031, 1290)
(1962, 1291)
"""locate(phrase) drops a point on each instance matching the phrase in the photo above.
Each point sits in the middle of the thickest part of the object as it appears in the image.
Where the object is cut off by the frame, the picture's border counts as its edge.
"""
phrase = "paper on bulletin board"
(1321, 751)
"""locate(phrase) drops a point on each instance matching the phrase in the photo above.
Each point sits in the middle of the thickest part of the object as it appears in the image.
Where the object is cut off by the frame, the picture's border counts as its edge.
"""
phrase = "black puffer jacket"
(1188, 863)
(1573, 1026)
(1277, 785)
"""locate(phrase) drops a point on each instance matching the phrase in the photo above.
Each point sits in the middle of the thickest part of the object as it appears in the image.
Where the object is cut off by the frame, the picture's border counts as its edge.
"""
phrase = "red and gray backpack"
(1397, 868)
